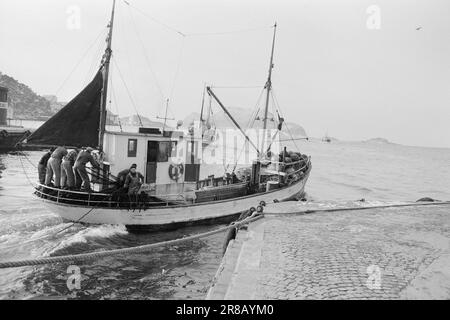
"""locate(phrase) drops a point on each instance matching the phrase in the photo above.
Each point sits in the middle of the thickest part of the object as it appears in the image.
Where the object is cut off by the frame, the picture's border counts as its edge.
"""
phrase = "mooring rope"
(143, 248)
(416, 204)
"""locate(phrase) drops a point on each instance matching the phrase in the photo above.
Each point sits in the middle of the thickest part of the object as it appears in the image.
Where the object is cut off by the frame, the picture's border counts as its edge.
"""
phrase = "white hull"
(174, 216)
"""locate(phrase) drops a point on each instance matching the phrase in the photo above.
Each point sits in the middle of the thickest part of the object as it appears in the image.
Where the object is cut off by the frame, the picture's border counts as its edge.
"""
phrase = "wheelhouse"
(164, 158)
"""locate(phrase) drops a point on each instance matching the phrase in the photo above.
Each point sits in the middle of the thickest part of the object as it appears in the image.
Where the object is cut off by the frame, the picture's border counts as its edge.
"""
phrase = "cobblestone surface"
(372, 254)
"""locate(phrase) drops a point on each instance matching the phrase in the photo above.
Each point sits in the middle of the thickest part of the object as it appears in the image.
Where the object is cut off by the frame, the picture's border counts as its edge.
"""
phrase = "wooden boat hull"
(10, 137)
(173, 217)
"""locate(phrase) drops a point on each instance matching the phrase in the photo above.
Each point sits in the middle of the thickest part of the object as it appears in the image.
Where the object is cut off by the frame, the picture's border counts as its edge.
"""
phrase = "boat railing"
(70, 191)
(91, 199)
(213, 181)
(290, 163)
(298, 170)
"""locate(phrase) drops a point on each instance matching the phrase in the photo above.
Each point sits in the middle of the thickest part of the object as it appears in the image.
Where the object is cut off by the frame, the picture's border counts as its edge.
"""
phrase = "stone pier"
(393, 253)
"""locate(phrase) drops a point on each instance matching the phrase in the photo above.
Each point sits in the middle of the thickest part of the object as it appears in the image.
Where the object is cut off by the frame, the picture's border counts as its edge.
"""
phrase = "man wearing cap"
(54, 167)
(79, 169)
(133, 181)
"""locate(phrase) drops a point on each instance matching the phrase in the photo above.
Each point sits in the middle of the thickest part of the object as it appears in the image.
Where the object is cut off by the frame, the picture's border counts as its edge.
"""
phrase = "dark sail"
(76, 124)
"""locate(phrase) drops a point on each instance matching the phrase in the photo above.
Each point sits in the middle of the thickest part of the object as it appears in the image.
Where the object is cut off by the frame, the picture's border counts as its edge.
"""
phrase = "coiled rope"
(143, 248)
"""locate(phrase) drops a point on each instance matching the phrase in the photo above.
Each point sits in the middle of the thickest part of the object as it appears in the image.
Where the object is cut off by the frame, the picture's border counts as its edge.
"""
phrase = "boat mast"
(105, 64)
(269, 86)
(203, 105)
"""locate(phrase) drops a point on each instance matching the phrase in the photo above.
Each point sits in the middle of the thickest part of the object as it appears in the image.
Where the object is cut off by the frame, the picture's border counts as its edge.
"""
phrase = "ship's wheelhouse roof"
(163, 136)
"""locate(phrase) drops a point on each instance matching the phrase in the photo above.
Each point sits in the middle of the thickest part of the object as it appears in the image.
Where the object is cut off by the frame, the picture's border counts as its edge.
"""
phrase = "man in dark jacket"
(42, 165)
(133, 181)
(81, 174)
(122, 175)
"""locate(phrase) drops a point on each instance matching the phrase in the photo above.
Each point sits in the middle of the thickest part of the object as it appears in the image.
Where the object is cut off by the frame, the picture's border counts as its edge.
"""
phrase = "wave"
(90, 233)
(27, 223)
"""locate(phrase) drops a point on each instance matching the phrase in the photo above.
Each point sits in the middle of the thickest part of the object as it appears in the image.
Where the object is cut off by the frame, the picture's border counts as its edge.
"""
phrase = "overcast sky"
(358, 69)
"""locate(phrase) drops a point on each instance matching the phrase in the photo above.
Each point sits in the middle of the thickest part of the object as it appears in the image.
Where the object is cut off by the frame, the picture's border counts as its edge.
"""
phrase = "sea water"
(343, 172)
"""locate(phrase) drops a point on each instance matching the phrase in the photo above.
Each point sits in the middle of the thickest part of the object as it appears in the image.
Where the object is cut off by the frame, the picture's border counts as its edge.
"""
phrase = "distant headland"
(378, 141)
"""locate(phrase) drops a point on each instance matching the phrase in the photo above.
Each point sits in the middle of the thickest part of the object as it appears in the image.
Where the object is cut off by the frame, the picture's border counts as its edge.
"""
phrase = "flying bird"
(418, 28)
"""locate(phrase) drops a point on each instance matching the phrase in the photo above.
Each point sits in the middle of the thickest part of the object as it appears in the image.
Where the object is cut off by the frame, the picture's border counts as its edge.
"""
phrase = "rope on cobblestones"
(436, 203)
(138, 249)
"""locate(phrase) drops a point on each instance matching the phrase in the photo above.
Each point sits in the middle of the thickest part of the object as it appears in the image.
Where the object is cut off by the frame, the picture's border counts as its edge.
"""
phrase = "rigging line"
(79, 62)
(78, 221)
(116, 105)
(127, 45)
(183, 34)
(252, 119)
(287, 127)
(180, 56)
(128, 92)
(163, 96)
(236, 87)
(28, 159)
(203, 34)
(70, 226)
(95, 59)
(112, 95)
(25, 172)
(153, 19)
(250, 124)
(275, 112)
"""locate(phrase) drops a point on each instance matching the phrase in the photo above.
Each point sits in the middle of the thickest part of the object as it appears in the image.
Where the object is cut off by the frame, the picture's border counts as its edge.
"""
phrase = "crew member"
(67, 174)
(133, 181)
(54, 167)
(122, 175)
(81, 175)
(42, 165)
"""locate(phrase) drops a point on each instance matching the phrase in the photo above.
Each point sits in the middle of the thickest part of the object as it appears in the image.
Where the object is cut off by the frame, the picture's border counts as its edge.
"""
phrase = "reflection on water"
(341, 172)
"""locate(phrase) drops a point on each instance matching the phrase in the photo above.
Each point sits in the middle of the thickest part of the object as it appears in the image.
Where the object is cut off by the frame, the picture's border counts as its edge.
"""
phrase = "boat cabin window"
(166, 150)
(132, 148)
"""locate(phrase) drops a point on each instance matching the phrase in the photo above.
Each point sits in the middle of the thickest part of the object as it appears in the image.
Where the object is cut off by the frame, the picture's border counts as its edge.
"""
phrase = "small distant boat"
(9, 135)
(175, 192)
(326, 138)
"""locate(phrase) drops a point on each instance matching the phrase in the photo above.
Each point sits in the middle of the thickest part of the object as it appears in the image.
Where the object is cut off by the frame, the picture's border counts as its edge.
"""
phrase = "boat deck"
(210, 190)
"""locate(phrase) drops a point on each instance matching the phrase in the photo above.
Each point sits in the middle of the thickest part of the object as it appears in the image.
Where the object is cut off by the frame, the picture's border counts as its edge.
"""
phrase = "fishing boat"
(177, 190)
(326, 138)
